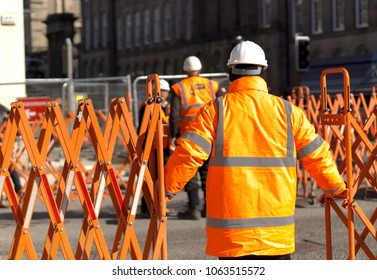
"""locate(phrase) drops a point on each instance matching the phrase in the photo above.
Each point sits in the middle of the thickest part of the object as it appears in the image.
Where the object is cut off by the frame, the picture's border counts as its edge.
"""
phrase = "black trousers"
(258, 257)
(16, 180)
(192, 187)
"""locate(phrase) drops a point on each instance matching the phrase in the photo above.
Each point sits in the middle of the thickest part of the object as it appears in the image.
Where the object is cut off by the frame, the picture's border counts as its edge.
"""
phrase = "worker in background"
(165, 111)
(189, 95)
(253, 140)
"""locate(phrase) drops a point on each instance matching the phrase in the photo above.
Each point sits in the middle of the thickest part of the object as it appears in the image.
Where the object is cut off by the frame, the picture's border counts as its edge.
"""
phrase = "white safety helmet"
(247, 52)
(164, 85)
(192, 63)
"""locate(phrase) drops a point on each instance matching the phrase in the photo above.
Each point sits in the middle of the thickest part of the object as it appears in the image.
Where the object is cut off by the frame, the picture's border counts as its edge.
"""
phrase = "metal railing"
(138, 88)
(101, 90)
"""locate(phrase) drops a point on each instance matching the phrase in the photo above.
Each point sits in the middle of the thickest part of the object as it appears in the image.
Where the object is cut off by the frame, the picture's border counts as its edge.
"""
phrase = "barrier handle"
(156, 92)
(346, 84)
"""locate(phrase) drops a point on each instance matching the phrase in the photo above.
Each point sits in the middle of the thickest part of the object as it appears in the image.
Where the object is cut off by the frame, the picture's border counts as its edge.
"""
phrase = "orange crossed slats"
(358, 164)
(145, 171)
(71, 148)
(37, 180)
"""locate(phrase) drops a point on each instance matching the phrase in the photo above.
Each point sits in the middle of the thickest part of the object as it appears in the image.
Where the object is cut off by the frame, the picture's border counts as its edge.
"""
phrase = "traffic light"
(302, 44)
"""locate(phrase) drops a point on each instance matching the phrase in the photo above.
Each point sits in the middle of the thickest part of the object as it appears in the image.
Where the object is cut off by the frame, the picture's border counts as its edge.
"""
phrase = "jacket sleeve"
(314, 153)
(194, 147)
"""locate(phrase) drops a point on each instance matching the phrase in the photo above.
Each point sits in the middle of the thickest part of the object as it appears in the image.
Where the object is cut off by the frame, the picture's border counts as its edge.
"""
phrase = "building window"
(361, 10)
(95, 32)
(316, 16)
(87, 33)
(119, 33)
(189, 19)
(156, 25)
(338, 15)
(296, 16)
(104, 29)
(266, 13)
(137, 28)
(128, 29)
(167, 22)
(178, 19)
(147, 21)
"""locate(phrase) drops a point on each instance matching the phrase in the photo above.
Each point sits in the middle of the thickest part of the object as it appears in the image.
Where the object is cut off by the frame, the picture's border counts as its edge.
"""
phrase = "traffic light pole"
(69, 63)
(302, 52)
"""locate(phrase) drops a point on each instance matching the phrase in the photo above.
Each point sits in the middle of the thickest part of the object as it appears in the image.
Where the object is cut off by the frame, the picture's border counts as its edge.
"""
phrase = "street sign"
(34, 106)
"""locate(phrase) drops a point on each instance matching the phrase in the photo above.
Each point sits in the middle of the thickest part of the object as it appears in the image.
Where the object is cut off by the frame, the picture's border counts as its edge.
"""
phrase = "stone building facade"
(36, 13)
(121, 37)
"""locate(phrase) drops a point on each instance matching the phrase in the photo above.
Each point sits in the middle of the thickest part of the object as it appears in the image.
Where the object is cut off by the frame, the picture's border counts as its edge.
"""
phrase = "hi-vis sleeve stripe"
(251, 222)
(311, 147)
(198, 140)
(218, 159)
(334, 190)
(170, 194)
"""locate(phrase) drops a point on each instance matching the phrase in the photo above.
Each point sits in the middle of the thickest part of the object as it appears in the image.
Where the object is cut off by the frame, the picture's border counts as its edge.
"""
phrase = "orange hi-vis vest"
(194, 92)
(253, 140)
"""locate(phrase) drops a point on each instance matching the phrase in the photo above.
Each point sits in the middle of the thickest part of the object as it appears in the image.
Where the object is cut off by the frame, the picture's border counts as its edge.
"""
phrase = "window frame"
(361, 11)
(338, 12)
(316, 17)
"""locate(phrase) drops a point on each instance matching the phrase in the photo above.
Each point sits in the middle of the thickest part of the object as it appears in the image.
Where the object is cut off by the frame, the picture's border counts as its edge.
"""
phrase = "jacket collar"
(248, 83)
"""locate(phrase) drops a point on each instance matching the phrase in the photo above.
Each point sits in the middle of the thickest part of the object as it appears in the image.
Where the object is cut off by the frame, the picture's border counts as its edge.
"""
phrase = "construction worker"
(252, 140)
(190, 94)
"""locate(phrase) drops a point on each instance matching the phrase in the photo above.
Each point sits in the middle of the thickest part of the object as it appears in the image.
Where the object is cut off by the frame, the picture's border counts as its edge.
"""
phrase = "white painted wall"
(12, 51)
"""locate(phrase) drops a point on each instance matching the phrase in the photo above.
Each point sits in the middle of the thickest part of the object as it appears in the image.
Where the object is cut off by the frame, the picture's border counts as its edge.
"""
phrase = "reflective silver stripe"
(219, 141)
(211, 89)
(334, 190)
(198, 140)
(183, 95)
(311, 147)
(196, 105)
(252, 161)
(187, 118)
(170, 194)
(251, 222)
(290, 139)
(218, 159)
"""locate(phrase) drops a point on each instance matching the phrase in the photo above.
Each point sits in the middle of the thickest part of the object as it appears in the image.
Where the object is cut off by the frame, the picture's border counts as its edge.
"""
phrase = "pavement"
(186, 239)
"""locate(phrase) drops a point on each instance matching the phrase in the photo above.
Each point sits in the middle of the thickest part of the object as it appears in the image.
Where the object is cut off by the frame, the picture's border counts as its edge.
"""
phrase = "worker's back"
(253, 163)
(194, 92)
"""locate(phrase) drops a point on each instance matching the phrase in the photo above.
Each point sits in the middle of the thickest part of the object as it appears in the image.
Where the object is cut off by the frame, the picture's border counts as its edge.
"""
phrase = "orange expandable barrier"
(146, 169)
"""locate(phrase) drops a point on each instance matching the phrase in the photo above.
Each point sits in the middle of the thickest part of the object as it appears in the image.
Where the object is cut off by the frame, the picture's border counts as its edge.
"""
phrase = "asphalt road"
(186, 238)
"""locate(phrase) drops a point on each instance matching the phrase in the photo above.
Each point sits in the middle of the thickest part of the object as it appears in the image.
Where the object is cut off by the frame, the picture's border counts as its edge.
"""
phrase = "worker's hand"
(342, 195)
(173, 144)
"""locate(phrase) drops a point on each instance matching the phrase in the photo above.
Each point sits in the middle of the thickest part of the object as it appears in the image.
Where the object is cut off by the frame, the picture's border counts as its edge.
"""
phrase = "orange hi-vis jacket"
(253, 140)
(194, 92)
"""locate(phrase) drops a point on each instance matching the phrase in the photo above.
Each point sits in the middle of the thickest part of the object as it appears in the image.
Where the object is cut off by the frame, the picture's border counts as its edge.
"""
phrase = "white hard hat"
(192, 63)
(164, 85)
(247, 52)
